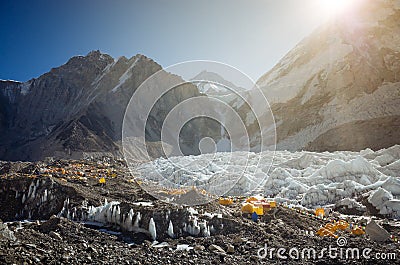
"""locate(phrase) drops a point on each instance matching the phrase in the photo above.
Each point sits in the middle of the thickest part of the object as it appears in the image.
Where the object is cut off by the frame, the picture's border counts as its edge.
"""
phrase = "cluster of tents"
(253, 205)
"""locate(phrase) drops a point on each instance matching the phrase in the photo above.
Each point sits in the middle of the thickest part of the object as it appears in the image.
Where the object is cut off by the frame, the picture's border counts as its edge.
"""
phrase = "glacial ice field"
(310, 179)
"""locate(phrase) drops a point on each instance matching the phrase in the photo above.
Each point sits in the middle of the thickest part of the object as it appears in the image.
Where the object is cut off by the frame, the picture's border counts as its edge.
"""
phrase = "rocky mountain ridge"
(339, 89)
(79, 107)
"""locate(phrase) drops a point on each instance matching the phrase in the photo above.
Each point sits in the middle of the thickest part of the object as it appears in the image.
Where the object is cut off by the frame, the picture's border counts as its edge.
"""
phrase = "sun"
(333, 7)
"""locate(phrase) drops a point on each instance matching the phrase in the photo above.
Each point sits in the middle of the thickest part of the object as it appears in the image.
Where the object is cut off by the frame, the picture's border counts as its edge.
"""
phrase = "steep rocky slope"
(339, 89)
(79, 107)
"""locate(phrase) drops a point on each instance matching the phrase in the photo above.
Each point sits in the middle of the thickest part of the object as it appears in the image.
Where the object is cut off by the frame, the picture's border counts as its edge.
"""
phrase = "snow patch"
(125, 76)
(25, 88)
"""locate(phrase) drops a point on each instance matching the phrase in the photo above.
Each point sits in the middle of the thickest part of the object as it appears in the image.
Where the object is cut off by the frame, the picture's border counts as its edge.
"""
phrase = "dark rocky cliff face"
(79, 107)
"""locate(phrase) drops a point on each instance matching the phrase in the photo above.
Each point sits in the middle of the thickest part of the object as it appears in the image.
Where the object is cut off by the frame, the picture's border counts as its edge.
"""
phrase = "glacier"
(310, 179)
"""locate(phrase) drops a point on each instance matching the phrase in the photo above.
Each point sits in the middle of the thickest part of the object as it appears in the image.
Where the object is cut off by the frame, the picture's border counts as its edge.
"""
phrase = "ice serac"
(352, 180)
(339, 88)
(152, 229)
(77, 109)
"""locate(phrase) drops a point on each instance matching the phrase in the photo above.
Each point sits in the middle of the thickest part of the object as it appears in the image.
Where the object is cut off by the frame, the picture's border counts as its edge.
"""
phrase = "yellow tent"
(248, 208)
(225, 201)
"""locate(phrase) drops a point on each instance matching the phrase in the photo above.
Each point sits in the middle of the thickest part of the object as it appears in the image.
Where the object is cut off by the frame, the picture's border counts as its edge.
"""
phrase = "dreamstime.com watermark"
(170, 116)
(339, 252)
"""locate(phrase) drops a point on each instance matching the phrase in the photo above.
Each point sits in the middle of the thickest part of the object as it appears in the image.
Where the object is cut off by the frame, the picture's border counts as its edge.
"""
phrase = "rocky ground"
(38, 192)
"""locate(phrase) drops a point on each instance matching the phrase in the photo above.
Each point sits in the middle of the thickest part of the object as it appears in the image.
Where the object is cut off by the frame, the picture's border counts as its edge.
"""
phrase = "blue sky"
(249, 35)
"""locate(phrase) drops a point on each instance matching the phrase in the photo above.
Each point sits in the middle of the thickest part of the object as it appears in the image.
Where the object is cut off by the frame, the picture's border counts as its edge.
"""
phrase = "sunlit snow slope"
(339, 88)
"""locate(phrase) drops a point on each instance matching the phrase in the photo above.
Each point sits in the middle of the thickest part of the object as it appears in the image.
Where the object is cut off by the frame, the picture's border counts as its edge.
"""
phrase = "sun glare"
(332, 7)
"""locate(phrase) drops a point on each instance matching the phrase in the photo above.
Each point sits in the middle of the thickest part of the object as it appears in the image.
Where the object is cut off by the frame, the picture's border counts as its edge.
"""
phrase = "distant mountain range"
(338, 89)
(220, 88)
